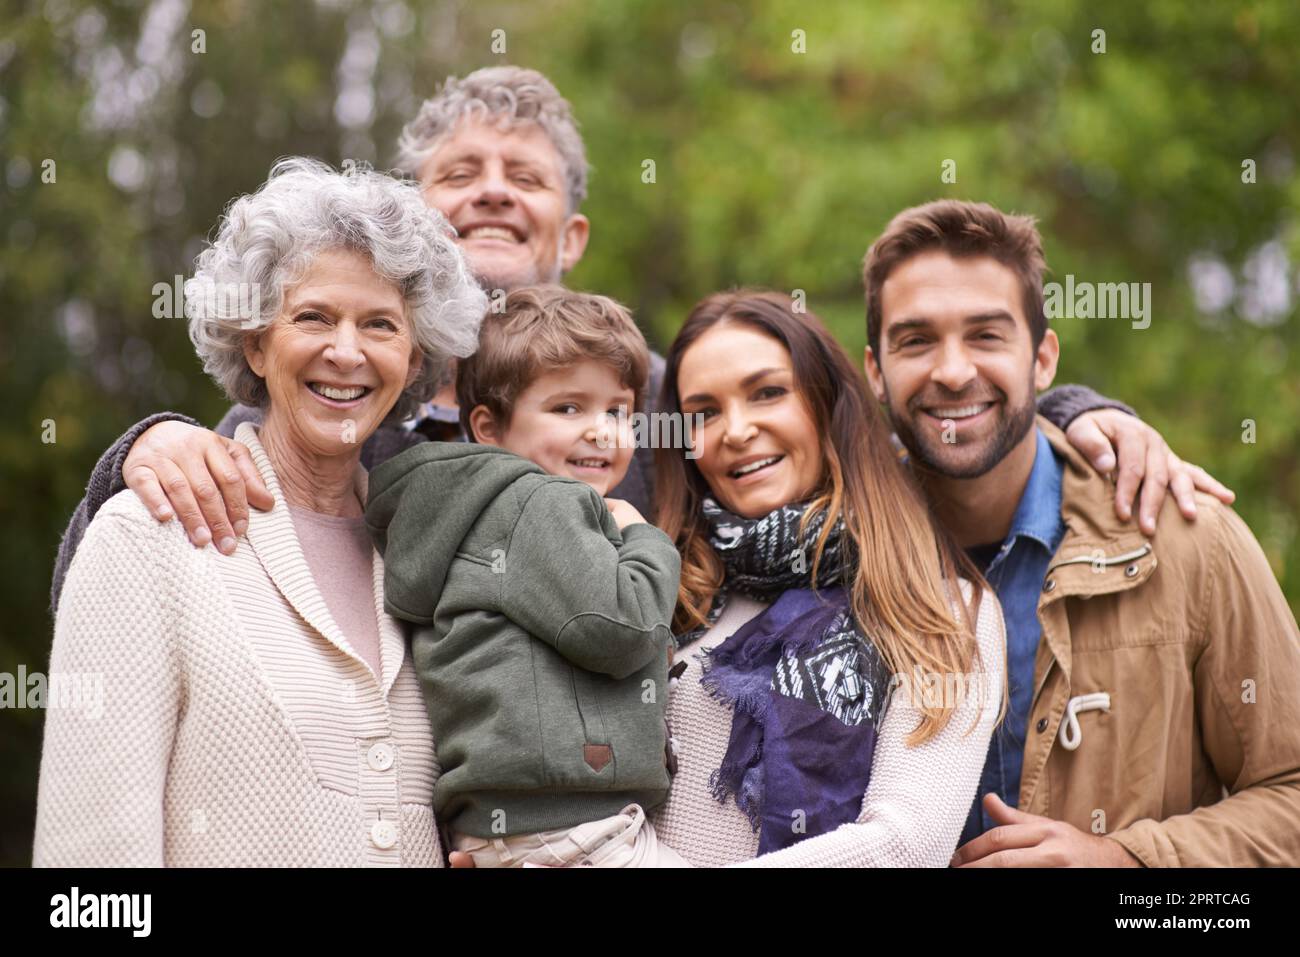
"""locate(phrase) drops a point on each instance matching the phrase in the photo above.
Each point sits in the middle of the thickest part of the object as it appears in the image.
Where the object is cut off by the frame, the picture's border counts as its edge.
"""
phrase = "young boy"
(541, 609)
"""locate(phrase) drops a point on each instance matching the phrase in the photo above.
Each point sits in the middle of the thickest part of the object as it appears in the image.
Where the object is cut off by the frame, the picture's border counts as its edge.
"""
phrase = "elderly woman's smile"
(339, 396)
(337, 355)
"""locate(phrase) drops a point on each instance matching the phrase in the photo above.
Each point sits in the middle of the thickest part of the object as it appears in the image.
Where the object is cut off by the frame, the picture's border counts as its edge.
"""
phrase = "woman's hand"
(1143, 459)
(624, 513)
(206, 479)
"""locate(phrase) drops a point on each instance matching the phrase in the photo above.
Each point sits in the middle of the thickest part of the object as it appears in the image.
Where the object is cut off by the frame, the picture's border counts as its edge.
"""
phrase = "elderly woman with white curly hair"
(262, 709)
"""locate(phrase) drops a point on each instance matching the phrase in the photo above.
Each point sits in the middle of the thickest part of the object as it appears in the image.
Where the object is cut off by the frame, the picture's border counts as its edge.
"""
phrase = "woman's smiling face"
(759, 447)
(337, 356)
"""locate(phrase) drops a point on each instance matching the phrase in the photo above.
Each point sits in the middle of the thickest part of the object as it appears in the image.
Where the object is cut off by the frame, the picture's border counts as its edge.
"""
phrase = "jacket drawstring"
(1071, 734)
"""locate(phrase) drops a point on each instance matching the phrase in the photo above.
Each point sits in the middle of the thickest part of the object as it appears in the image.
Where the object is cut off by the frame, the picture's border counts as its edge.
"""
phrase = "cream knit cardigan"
(914, 808)
(238, 726)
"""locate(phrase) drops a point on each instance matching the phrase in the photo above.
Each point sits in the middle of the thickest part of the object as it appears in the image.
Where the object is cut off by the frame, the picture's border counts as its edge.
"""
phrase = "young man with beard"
(1154, 683)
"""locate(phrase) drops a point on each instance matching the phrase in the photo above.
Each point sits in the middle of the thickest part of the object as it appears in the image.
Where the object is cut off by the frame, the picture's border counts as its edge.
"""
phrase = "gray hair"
(268, 239)
(510, 95)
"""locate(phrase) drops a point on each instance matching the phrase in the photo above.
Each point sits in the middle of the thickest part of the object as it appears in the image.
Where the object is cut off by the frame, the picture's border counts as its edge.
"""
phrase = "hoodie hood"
(422, 505)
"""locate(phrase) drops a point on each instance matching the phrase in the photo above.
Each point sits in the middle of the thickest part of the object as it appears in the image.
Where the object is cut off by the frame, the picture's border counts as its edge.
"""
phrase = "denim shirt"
(1016, 573)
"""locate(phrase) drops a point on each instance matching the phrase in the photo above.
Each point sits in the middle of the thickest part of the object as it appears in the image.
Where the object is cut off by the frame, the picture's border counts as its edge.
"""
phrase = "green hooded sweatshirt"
(541, 636)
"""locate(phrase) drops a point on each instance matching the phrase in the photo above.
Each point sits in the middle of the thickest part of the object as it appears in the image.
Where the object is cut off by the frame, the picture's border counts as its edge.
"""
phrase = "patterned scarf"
(806, 687)
(765, 557)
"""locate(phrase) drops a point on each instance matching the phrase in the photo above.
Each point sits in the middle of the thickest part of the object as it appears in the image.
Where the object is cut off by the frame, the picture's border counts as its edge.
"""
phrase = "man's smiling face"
(957, 365)
(506, 194)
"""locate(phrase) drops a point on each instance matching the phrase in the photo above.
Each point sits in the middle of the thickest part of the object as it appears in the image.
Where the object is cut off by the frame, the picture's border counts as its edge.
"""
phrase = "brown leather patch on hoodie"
(597, 755)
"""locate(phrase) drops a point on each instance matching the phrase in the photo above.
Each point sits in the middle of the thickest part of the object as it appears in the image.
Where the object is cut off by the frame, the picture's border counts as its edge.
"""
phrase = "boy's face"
(573, 421)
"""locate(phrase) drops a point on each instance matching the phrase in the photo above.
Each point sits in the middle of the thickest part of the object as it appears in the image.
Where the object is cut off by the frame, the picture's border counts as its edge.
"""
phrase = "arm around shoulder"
(1065, 403)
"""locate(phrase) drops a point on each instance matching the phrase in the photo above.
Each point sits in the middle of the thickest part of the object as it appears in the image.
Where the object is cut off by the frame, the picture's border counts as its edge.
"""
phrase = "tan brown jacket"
(1197, 761)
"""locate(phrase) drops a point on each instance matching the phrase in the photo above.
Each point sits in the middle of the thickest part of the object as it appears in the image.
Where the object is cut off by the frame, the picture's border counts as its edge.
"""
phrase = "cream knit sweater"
(238, 726)
(914, 807)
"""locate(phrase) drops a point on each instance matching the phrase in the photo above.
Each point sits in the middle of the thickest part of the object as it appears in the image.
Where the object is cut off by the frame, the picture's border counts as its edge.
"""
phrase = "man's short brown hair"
(540, 329)
(960, 229)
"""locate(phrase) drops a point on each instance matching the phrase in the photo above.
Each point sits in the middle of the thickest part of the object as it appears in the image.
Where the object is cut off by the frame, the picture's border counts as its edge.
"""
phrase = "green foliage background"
(773, 168)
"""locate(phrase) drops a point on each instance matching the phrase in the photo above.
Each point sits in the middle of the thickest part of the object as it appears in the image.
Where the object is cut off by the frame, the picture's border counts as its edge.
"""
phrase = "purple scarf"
(806, 688)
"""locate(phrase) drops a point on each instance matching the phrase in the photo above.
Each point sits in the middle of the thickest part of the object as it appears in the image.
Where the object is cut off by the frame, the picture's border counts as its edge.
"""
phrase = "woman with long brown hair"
(840, 669)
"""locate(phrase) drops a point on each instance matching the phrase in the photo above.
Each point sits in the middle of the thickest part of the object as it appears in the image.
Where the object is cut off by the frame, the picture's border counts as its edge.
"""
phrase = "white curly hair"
(509, 95)
(268, 239)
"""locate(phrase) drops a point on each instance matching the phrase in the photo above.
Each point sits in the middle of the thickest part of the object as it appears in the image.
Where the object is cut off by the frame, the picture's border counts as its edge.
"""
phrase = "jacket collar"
(275, 542)
(1100, 554)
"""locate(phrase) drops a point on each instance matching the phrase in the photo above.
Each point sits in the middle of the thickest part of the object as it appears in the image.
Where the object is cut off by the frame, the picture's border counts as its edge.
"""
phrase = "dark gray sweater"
(1060, 406)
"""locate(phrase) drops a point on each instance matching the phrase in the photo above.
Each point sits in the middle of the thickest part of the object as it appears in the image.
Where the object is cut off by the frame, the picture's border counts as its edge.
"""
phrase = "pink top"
(338, 551)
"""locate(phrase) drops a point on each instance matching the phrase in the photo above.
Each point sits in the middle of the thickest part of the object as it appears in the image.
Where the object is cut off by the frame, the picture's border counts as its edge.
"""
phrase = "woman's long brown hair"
(905, 582)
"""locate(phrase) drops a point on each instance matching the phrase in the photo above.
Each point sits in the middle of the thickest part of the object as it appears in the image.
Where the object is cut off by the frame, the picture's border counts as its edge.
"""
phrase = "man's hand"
(1143, 459)
(624, 513)
(206, 479)
(1029, 840)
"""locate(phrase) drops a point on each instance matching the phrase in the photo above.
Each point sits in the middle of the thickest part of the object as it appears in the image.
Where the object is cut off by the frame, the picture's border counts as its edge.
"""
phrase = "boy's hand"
(624, 513)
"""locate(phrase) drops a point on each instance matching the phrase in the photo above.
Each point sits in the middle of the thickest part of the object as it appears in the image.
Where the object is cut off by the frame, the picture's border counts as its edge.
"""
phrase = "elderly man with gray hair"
(262, 709)
(499, 154)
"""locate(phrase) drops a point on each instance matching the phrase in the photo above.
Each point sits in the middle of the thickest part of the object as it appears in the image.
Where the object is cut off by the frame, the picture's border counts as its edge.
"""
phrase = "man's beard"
(1014, 424)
